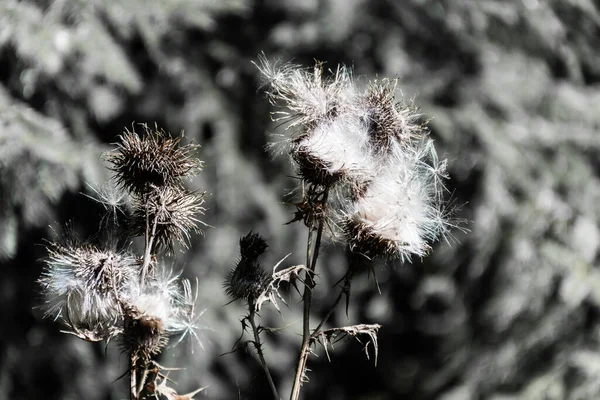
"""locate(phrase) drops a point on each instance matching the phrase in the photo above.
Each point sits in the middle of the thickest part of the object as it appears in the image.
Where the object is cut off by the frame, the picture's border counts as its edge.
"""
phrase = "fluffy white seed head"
(372, 153)
(307, 98)
(401, 211)
(82, 284)
(336, 150)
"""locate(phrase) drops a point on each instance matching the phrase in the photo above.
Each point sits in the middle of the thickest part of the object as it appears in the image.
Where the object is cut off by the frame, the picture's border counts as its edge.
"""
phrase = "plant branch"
(258, 347)
(345, 290)
(133, 393)
(150, 235)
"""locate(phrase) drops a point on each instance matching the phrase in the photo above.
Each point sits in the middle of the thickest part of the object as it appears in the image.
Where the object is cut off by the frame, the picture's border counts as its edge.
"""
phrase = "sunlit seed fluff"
(162, 307)
(171, 212)
(151, 159)
(82, 283)
(304, 96)
(336, 150)
(401, 211)
(247, 279)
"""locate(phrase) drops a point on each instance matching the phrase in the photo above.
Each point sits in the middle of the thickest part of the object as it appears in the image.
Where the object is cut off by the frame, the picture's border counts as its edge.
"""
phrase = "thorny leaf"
(271, 292)
(331, 336)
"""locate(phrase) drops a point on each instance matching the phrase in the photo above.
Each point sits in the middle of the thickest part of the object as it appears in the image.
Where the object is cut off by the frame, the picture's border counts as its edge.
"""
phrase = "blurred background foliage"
(509, 311)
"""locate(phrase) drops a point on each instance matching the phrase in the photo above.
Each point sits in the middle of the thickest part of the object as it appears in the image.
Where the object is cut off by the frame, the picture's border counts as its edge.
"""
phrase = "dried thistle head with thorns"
(105, 292)
(151, 159)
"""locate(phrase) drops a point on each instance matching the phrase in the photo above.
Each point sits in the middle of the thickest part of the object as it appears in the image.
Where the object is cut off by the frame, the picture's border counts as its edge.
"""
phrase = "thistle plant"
(105, 292)
(370, 179)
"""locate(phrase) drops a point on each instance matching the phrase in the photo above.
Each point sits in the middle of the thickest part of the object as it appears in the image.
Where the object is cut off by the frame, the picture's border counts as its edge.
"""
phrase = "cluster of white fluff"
(367, 147)
(90, 289)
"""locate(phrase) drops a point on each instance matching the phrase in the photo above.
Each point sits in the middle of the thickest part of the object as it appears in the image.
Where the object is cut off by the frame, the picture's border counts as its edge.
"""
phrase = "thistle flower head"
(335, 151)
(143, 334)
(171, 213)
(152, 159)
(367, 149)
(82, 284)
(247, 279)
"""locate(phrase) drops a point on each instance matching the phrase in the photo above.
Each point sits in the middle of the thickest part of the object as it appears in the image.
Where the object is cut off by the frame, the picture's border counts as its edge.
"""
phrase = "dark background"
(510, 310)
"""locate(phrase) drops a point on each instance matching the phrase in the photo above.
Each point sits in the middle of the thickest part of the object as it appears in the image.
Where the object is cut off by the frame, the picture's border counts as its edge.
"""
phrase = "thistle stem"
(133, 393)
(258, 347)
(307, 299)
(150, 235)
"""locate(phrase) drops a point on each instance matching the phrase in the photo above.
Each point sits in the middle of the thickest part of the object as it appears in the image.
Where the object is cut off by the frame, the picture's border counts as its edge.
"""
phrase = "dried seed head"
(336, 151)
(247, 280)
(84, 284)
(153, 159)
(171, 212)
(143, 334)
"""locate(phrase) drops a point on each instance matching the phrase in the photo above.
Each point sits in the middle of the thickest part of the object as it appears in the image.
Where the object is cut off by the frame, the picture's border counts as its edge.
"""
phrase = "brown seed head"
(143, 335)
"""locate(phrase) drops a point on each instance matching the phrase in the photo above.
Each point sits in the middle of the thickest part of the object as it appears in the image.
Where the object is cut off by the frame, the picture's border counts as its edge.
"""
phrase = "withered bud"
(152, 159)
(172, 213)
(247, 280)
(143, 335)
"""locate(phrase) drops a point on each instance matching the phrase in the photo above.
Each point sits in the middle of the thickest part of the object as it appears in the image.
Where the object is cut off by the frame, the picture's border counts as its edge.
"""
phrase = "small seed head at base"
(143, 334)
(247, 279)
(152, 159)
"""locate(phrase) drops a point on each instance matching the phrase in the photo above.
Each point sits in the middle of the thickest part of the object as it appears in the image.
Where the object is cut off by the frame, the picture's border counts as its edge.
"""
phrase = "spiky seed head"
(252, 246)
(175, 212)
(247, 279)
(151, 159)
(305, 96)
